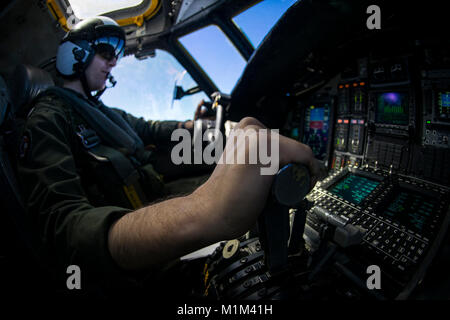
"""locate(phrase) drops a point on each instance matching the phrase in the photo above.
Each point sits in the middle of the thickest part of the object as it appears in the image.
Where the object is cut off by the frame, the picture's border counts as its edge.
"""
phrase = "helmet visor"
(109, 47)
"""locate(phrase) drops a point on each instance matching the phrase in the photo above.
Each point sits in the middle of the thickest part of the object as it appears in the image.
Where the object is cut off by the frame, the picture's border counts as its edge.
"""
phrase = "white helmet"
(100, 35)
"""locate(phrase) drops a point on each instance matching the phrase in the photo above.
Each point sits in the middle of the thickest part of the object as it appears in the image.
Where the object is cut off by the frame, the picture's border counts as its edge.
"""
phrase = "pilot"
(90, 186)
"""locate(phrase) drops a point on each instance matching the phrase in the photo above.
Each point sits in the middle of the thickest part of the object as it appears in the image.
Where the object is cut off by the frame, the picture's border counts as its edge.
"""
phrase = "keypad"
(388, 239)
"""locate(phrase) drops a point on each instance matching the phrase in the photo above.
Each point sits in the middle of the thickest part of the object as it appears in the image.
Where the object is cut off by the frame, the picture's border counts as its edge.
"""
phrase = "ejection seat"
(20, 271)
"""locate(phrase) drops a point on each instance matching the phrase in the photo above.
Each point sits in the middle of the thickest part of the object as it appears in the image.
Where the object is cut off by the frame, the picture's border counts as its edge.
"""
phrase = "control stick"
(291, 185)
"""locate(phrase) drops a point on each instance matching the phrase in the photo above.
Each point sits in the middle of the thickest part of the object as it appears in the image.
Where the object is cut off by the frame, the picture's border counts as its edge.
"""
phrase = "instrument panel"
(381, 127)
(389, 172)
(404, 221)
(374, 108)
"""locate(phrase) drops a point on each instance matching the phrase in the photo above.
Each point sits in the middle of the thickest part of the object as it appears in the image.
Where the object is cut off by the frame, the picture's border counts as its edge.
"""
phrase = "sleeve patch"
(25, 145)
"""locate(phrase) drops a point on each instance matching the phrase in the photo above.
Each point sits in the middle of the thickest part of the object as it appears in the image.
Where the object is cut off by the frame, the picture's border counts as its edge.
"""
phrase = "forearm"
(161, 232)
(224, 207)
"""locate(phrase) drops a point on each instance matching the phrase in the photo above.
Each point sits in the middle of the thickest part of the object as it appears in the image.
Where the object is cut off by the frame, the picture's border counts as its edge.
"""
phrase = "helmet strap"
(86, 89)
(99, 93)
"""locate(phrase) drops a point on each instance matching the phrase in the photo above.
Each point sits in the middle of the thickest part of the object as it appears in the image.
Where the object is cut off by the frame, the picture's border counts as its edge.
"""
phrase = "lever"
(290, 186)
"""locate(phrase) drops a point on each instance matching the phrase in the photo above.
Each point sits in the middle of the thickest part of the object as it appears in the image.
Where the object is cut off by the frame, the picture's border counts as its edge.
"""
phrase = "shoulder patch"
(25, 145)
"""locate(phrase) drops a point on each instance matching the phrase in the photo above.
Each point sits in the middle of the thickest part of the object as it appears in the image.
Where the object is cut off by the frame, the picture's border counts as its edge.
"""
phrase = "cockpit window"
(216, 55)
(257, 21)
(145, 88)
(84, 9)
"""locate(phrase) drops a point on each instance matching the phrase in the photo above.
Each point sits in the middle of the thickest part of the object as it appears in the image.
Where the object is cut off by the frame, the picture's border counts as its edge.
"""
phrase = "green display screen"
(392, 108)
(411, 209)
(354, 188)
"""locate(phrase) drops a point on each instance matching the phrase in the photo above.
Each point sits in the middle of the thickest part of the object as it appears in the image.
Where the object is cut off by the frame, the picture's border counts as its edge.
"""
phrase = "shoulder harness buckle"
(89, 137)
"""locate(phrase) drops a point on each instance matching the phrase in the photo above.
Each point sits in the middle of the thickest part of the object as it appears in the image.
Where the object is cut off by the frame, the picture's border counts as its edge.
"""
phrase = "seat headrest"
(4, 100)
(26, 83)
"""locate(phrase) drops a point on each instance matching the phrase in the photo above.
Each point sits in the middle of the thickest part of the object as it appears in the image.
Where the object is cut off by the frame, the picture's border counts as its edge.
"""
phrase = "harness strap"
(122, 165)
(125, 167)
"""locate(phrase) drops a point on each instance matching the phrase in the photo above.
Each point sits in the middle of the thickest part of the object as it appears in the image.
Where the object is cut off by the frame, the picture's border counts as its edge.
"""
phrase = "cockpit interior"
(368, 91)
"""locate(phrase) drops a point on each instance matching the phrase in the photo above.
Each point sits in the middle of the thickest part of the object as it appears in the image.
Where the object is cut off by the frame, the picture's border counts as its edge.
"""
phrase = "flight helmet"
(101, 35)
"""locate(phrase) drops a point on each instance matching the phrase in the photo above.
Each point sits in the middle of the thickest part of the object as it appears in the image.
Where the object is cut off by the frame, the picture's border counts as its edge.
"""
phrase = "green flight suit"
(60, 180)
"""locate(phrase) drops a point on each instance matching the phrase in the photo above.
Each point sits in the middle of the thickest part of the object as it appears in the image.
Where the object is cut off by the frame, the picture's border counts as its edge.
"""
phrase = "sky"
(145, 87)
(84, 9)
